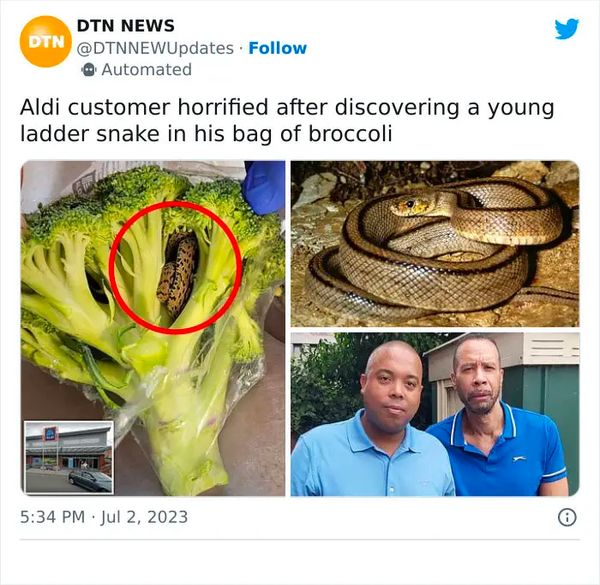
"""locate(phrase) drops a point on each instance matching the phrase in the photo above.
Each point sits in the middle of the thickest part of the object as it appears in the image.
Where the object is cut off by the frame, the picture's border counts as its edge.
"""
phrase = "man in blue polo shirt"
(377, 452)
(497, 450)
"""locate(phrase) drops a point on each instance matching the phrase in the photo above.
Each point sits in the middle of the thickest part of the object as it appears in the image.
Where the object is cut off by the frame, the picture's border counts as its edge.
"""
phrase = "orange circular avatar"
(45, 41)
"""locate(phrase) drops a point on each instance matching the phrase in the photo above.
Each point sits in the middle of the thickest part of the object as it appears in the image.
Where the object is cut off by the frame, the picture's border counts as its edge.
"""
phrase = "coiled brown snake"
(395, 258)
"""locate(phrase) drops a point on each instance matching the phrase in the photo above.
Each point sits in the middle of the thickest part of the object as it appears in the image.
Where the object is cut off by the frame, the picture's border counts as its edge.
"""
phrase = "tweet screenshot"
(308, 293)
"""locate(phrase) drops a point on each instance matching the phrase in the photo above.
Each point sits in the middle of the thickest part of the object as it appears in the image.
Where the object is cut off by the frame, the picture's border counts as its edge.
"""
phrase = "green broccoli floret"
(42, 345)
(124, 194)
(49, 348)
(261, 273)
(141, 252)
(223, 198)
(216, 270)
(56, 286)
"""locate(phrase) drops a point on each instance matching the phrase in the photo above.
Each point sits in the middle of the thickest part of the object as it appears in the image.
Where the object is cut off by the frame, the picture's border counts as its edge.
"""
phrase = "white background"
(466, 51)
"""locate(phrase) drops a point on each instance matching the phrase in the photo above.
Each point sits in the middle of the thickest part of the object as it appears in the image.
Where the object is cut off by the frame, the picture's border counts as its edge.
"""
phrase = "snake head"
(410, 205)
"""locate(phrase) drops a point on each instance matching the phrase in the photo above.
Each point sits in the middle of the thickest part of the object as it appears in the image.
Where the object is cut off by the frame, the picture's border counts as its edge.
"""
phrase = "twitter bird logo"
(567, 30)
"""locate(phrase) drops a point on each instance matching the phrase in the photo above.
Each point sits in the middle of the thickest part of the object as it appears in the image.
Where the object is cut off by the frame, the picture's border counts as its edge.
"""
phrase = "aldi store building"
(74, 449)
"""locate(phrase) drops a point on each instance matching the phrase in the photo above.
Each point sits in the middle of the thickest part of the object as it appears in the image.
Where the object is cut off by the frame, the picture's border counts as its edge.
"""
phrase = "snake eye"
(410, 203)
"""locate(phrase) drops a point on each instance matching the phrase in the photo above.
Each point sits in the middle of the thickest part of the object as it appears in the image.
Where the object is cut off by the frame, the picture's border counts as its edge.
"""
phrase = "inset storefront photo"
(435, 414)
(68, 457)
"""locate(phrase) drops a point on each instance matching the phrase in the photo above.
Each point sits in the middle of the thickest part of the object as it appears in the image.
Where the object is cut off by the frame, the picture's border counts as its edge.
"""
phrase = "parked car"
(94, 481)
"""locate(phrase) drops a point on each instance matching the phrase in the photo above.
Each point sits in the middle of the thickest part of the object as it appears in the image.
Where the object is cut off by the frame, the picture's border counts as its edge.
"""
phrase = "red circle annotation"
(168, 330)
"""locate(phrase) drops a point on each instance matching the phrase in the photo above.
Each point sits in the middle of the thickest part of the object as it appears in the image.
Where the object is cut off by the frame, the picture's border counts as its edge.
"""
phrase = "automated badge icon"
(88, 69)
(45, 41)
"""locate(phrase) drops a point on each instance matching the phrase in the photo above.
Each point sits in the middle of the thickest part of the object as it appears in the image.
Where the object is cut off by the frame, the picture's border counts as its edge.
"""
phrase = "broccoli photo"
(174, 268)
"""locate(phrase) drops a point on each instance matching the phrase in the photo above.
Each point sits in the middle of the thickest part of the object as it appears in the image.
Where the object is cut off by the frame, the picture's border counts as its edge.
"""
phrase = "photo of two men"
(478, 414)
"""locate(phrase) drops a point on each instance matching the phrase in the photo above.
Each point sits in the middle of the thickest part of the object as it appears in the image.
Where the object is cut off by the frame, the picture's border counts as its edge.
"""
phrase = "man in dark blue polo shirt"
(377, 452)
(496, 450)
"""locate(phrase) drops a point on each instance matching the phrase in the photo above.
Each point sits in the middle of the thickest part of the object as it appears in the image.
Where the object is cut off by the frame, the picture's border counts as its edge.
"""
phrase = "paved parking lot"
(49, 481)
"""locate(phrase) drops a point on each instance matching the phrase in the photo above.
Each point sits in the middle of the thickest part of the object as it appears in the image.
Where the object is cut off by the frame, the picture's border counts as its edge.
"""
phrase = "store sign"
(50, 434)
(84, 441)
(69, 439)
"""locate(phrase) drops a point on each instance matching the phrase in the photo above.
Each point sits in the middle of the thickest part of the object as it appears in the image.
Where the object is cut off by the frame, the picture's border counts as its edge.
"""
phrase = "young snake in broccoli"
(177, 276)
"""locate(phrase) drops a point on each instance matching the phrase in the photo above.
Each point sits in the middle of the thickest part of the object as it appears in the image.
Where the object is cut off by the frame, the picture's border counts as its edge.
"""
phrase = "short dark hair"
(471, 337)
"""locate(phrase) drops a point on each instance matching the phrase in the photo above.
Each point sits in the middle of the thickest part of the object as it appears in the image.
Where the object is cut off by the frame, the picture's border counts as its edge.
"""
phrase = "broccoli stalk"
(140, 262)
(73, 326)
(185, 444)
(185, 418)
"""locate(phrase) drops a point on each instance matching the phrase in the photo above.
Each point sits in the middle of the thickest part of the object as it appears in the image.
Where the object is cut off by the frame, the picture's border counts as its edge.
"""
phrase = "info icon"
(45, 41)
(567, 517)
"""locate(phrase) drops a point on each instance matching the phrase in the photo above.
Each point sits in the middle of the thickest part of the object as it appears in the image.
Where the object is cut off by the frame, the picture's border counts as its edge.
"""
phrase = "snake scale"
(396, 258)
(177, 275)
